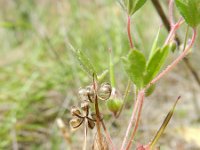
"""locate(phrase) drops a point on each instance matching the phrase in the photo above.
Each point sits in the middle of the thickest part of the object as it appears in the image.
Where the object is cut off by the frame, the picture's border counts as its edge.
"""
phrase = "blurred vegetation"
(39, 75)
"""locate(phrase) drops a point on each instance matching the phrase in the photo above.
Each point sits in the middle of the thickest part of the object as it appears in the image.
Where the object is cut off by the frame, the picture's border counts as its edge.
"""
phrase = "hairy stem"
(177, 60)
(125, 97)
(166, 22)
(97, 112)
(142, 93)
(129, 32)
(171, 12)
(132, 120)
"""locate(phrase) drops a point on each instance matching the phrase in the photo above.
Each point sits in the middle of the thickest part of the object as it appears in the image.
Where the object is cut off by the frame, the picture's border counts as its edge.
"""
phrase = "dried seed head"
(85, 105)
(75, 122)
(104, 91)
(83, 94)
(100, 146)
(90, 93)
(91, 124)
(75, 111)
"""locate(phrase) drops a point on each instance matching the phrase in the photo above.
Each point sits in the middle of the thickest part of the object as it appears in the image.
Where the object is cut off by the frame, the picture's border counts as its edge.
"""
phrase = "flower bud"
(104, 91)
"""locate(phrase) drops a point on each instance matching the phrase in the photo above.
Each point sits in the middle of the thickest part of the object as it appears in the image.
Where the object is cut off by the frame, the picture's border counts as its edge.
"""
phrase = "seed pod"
(85, 105)
(91, 124)
(75, 122)
(114, 105)
(75, 111)
(83, 94)
(100, 146)
(104, 91)
(90, 93)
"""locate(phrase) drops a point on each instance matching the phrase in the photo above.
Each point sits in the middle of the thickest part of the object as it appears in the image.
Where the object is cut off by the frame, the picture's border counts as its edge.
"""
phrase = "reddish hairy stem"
(132, 120)
(129, 31)
(173, 30)
(171, 14)
(142, 92)
(177, 60)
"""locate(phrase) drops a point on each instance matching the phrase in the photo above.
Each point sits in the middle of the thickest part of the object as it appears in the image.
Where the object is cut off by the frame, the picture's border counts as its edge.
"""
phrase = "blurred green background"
(40, 77)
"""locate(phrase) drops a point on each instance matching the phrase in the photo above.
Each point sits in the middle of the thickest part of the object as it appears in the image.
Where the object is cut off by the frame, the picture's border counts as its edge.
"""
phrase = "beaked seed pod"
(75, 122)
(104, 91)
(75, 111)
(114, 105)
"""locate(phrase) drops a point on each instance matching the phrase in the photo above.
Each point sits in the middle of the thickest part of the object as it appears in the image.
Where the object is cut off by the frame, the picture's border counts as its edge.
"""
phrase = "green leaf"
(84, 62)
(190, 10)
(133, 5)
(135, 64)
(163, 126)
(155, 45)
(155, 63)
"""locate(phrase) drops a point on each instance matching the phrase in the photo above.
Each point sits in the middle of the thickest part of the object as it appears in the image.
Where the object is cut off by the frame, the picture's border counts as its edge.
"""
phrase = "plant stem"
(162, 15)
(177, 60)
(97, 112)
(142, 93)
(129, 32)
(125, 97)
(132, 120)
(85, 136)
(108, 135)
(171, 14)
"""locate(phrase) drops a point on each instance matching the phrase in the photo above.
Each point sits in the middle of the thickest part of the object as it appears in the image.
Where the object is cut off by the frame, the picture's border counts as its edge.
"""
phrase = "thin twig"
(85, 135)
(142, 92)
(125, 97)
(132, 120)
(108, 135)
(177, 60)
(166, 22)
(129, 32)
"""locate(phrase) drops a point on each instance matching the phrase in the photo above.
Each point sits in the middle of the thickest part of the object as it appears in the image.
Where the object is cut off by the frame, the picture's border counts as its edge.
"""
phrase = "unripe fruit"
(150, 90)
(114, 105)
(173, 46)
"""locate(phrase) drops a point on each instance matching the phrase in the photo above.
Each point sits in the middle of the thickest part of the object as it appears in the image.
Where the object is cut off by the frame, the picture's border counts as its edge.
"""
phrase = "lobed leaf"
(190, 10)
(85, 62)
(135, 65)
(133, 5)
(155, 63)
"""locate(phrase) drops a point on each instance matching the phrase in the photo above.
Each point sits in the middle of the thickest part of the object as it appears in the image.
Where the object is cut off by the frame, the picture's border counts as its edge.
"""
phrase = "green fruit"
(114, 105)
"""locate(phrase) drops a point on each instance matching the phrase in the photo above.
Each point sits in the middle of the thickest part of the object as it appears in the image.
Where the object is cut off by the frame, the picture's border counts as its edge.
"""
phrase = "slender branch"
(171, 12)
(85, 136)
(97, 112)
(162, 15)
(132, 120)
(142, 92)
(125, 97)
(129, 32)
(177, 60)
(108, 135)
